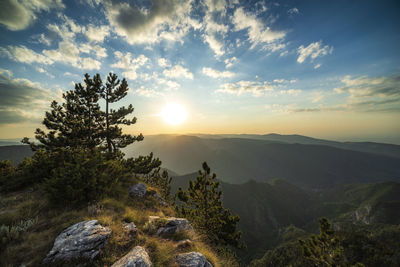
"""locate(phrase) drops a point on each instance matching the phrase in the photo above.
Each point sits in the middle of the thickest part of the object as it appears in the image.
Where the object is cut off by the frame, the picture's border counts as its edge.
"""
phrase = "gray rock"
(137, 257)
(192, 259)
(171, 226)
(130, 228)
(138, 190)
(81, 240)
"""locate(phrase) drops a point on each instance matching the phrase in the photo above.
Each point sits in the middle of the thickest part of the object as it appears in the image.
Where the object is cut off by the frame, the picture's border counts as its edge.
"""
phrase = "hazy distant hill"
(15, 153)
(237, 160)
(371, 147)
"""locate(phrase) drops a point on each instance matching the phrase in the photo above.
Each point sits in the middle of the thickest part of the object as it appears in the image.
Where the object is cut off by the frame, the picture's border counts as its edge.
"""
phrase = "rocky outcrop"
(138, 190)
(137, 257)
(363, 214)
(192, 259)
(170, 225)
(130, 228)
(81, 240)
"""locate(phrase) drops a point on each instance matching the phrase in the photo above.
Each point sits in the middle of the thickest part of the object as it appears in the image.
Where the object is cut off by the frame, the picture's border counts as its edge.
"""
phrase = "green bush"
(15, 177)
(80, 176)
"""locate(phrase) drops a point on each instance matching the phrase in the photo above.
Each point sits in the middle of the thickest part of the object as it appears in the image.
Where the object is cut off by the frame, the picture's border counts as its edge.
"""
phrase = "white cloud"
(370, 87)
(284, 53)
(293, 10)
(317, 66)
(129, 64)
(90, 64)
(363, 94)
(215, 45)
(280, 81)
(313, 51)
(18, 15)
(42, 70)
(318, 97)
(96, 33)
(214, 32)
(283, 81)
(44, 40)
(99, 51)
(146, 92)
(257, 89)
(68, 53)
(217, 74)
(162, 62)
(229, 62)
(178, 71)
(256, 31)
(7, 73)
(293, 92)
(24, 55)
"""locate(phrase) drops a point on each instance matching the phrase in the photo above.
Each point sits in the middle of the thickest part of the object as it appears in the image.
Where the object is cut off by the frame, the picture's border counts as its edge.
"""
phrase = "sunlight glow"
(174, 113)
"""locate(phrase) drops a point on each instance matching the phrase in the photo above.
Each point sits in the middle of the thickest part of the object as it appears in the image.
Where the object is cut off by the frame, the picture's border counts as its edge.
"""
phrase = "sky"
(327, 69)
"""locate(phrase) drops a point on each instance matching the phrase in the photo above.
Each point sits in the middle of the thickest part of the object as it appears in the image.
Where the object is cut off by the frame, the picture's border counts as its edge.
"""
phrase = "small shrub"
(13, 232)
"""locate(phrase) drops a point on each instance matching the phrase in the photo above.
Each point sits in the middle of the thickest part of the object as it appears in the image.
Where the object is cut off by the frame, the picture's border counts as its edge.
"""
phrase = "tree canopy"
(80, 122)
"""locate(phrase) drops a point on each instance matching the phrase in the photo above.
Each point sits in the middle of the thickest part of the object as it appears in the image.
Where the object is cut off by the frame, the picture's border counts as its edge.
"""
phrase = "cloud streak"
(21, 99)
(313, 51)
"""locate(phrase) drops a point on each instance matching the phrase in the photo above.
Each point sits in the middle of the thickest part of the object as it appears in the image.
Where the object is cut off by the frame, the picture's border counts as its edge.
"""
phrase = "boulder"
(130, 228)
(192, 259)
(137, 257)
(81, 240)
(138, 190)
(170, 225)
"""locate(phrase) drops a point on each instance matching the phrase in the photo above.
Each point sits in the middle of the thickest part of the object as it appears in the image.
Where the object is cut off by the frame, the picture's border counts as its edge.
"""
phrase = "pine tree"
(76, 123)
(142, 165)
(112, 92)
(324, 249)
(203, 206)
(80, 123)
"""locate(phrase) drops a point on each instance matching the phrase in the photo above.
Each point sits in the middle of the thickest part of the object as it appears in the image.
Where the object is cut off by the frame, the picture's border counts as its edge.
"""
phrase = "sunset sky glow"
(328, 69)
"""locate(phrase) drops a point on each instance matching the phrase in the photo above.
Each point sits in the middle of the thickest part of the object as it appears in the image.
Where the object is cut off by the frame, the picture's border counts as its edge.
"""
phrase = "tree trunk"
(108, 126)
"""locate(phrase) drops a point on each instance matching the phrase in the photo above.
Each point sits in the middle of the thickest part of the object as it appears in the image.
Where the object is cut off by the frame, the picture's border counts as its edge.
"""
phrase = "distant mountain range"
(303, 161)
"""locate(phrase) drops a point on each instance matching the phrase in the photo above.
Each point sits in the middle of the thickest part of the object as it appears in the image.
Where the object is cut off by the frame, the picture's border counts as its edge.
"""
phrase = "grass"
(32, 245)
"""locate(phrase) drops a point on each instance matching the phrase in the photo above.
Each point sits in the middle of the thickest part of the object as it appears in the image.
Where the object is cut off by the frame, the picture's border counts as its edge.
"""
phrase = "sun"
(174, 113)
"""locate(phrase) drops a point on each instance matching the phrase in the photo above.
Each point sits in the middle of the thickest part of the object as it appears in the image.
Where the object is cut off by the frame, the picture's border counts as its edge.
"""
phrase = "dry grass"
(33, 245)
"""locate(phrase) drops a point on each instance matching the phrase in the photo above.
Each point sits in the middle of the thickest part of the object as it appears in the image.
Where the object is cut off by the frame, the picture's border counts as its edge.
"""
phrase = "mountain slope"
(238, 160)
(266, 210)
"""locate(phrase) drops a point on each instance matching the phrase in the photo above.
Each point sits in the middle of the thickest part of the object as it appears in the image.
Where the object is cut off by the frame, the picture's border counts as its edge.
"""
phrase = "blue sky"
(321, 68)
